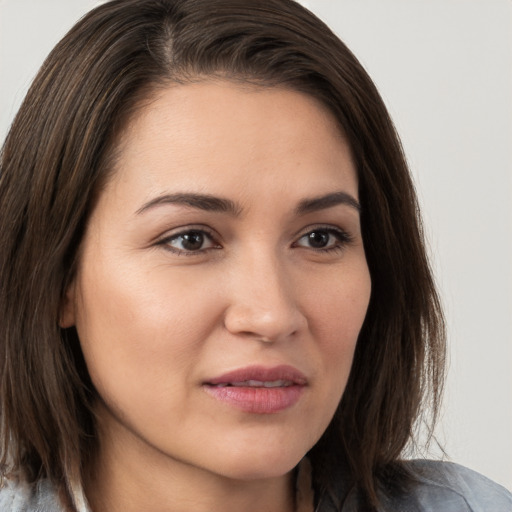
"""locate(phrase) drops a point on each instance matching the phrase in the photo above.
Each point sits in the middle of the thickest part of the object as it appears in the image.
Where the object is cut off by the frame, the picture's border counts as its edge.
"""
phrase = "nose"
(263, 304)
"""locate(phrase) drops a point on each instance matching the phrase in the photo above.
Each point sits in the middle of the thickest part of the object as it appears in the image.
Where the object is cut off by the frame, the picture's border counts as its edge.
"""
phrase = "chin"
(260, 465)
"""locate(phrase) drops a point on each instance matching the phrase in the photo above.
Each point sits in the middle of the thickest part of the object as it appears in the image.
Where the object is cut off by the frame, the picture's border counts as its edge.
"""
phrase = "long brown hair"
(58, 153)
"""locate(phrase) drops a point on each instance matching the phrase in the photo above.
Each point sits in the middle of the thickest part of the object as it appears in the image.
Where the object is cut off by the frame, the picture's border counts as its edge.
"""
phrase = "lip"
(235, 389)
(261, 373)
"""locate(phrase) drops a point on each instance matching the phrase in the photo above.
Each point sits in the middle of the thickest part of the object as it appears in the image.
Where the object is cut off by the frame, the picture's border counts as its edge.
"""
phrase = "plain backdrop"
(444, 68)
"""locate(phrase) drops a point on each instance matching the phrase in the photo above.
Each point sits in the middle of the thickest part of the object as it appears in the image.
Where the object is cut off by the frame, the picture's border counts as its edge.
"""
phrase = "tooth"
(240, 384)
(258, 384)
(248, 383)
(277, 384)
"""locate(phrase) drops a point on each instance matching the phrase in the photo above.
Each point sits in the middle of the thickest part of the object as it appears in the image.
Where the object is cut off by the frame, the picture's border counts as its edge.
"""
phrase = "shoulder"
(451, 487)
(19, 496)
(427, 486)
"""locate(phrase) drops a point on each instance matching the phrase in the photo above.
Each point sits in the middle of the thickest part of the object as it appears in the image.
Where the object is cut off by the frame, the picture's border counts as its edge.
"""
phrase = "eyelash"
(342, 240)
(165, 242)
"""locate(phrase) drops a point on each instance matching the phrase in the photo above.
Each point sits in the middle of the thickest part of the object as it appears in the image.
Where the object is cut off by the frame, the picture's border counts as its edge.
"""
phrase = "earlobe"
(67, 308)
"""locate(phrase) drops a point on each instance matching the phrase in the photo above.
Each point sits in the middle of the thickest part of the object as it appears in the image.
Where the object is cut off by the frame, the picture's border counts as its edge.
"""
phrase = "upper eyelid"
(344, 238)
(182, 230)
(323, 227)
(165, 241)
(216, 238)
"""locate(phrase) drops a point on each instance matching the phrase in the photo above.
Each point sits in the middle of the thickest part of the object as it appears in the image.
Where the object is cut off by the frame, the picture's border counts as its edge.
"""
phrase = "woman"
(214, 289)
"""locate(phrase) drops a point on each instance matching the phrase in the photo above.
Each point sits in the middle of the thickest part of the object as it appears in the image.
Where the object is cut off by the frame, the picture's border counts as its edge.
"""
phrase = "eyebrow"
(211, 203)
(328, 201)
(201, 201)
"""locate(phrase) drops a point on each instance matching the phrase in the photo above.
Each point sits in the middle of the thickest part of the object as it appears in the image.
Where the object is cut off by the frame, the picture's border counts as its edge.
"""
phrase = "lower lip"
(257, 400)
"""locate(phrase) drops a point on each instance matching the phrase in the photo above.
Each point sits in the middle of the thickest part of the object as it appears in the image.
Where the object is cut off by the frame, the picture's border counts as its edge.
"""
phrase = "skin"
(156, 319)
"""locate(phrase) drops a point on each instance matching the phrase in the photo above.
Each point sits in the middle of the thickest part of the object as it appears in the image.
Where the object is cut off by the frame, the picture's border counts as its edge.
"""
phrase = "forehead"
(220, 134)
(211, 106)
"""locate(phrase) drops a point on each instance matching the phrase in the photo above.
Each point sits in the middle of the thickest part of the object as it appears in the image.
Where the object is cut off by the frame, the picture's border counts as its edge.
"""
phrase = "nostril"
(267, 326)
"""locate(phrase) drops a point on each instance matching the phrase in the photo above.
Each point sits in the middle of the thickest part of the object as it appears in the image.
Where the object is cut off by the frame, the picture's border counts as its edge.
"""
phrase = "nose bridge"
(262, 300)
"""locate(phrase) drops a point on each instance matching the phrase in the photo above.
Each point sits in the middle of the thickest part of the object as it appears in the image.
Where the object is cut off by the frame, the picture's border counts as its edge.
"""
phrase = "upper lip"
(262, 374)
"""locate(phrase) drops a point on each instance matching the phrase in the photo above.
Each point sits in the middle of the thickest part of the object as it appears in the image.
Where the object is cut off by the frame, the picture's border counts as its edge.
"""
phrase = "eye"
(324, 239)
(189, 242)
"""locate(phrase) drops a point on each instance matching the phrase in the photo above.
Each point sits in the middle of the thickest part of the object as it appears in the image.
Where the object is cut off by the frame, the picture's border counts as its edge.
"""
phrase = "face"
(223, 281)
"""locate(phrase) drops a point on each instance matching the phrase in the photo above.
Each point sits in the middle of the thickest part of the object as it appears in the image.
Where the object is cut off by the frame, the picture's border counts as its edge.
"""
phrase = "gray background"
(444, 68)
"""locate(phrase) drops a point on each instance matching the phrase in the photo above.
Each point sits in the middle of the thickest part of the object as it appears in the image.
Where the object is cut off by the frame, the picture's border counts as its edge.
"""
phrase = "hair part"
(59, 153)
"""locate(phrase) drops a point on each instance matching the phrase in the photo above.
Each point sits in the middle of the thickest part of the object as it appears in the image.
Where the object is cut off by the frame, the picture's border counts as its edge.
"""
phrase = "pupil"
(318, 239)
(193, 240)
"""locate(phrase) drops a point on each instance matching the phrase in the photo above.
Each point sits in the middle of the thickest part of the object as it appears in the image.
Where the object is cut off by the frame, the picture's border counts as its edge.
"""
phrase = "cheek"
(336, 317)
(138, 332)
(338, 307)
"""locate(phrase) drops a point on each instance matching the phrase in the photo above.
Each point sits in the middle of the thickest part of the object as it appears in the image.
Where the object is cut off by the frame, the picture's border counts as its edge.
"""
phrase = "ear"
(67, 307)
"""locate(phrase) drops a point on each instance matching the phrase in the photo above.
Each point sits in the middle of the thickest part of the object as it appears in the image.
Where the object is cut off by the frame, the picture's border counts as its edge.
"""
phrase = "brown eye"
(192, 241)
(324, 239)
(318, 239)
(189, 241)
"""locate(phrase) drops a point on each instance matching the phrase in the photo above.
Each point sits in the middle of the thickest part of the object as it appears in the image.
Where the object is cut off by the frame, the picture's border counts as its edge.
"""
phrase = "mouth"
(260, 376)
(258, 390)
(257, 384)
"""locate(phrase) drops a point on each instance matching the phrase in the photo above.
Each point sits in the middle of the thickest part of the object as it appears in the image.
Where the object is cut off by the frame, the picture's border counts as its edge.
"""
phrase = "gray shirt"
(440, 487)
